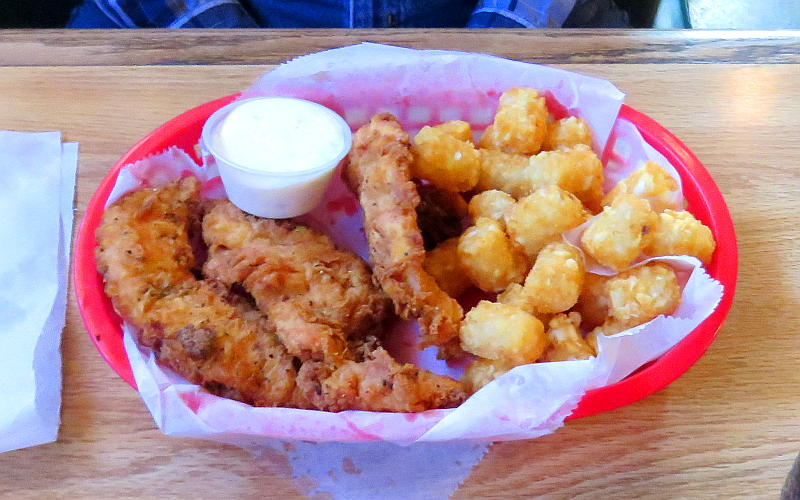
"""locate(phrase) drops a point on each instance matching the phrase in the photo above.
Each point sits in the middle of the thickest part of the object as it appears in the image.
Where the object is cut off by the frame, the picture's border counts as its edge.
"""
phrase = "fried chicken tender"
(642, 293)
(556, 279)
(501, 332)
(520, 123)
(489, 258)
(317, 296)
(577, 170)
(482, 371)
(443, 264)
(650, 182)
(593, 300)
(378, 170)
(541, 217)
(444, 160)
(379, 383)
(567, 133)
(679, 233)
(492, 204)
(505, 172)
(195, 327)
(617, 236)
(565, 340)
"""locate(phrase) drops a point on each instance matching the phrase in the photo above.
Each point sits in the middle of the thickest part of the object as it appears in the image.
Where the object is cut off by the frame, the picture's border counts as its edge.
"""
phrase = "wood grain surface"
(727, 429)
(171, 47)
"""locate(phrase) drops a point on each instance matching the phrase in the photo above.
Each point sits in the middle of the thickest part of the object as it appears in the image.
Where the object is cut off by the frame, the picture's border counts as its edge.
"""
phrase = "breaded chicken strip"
(195, 327)
(318, 297)
(380, 383)
(378, 169)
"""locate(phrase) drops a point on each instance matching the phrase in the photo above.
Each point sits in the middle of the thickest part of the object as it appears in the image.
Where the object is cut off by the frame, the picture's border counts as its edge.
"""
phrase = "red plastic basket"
(703, 197)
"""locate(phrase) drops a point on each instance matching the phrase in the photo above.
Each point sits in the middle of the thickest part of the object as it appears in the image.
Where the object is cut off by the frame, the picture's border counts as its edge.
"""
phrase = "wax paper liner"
(430, 86)
(529, 401)
(419, 87)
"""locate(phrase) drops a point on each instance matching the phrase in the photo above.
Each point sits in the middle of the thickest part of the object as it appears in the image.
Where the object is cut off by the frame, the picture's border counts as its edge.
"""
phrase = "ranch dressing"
(276, 154)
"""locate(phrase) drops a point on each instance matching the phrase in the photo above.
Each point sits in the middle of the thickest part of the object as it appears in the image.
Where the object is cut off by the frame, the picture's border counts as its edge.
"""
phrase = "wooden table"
(727, 428)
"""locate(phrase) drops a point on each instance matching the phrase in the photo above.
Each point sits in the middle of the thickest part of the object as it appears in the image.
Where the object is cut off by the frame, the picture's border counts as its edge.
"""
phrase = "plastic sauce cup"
(275, 155)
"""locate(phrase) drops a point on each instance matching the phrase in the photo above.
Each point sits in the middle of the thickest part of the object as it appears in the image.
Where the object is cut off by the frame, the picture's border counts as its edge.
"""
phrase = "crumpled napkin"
(36, 198)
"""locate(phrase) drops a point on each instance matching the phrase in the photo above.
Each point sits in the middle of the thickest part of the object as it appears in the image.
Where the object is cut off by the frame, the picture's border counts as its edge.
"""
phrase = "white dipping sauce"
(276, 154)
(279, 135)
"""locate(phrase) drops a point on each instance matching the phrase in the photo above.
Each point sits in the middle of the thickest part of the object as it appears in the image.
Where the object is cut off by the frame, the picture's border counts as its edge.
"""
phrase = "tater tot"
(567, 133)
(556, 278)
(489, 258)
(442, 264)
(492, 204)
(642, 293)
(577, 170)
(456, 128)
(445, 161)
(502, 332)
(616, 236)
(650, 182)
(542, 216)
(505, 172)
(482, 371)
(610, 327)
(679, 233)
(565, 340)
(520, 123)
(593, 300)
(515, 295)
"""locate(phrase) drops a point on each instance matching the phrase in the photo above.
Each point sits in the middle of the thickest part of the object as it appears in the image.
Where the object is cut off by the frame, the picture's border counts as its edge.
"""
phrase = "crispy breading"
(378, 169)
(380, 383)
(316, 295)
(195, 327)
(214, 337)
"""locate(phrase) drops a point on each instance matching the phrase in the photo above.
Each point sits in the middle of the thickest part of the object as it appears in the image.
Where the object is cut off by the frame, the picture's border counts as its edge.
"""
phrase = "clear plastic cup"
(275, 194)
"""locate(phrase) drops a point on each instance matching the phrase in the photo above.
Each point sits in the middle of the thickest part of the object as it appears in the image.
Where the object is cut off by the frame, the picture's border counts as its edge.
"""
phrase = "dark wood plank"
(181, 47)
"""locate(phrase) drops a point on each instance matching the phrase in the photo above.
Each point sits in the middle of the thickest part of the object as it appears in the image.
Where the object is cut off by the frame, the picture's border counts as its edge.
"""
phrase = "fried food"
(194, 327)
(505, 172)
(502, 332)
(616, 236)
(443, 264)
(593, 300)
(520, 123)
(642, 293)
(679, 233)
(482, 371)
(541, 217)
(609, 328)
(567, 133)
(489, 258)
(444, 160)
(379, 383)
(318, 296)
(650, 182)
(492, 204)
(440, 214)
(556, 279)
(577, 170)
(565, 340)
(216, 338)
(378, 170)
(457, 129)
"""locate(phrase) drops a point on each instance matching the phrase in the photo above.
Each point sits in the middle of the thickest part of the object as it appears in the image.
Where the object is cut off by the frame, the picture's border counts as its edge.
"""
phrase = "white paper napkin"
(37, 185)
